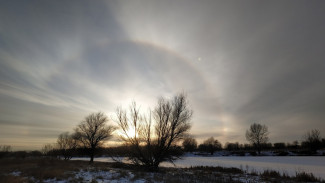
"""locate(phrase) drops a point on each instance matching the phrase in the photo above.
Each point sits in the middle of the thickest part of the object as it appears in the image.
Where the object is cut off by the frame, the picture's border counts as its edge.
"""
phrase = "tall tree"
(93, 132)
(257, 135)
(154, 135)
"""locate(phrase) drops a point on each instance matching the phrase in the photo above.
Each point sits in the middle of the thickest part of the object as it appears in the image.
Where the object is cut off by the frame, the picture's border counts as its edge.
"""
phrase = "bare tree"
(4, 150)
(93, 132)
(155, 134)
(66, 143)
(189, 144)
(312, 140)
(257, 135)
(48, 150)
(210, 145)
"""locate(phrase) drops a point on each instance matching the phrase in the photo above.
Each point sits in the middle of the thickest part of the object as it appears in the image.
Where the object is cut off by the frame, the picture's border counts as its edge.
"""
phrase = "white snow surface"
(284, 164)
(90, 175)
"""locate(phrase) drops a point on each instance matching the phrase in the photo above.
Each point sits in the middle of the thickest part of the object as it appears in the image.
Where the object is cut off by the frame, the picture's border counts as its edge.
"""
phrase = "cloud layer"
(239, 63)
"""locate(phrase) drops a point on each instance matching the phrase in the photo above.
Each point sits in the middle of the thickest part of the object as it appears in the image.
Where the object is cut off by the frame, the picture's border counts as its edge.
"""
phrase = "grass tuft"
(306, 177)
(271, 174)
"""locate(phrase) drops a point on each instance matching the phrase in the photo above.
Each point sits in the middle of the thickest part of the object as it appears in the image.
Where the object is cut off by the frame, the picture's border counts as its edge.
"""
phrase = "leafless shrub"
(66, 144)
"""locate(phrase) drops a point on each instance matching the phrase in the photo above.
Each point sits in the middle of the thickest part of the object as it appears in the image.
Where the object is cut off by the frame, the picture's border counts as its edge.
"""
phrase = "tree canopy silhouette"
(66, 144)
(312, 140)
(210, 145)
(257, 135)
(189, 144)
(155, 134)
(93, 131)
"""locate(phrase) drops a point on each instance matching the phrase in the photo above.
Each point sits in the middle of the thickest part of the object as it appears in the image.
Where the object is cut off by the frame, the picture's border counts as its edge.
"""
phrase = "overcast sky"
(239, 62)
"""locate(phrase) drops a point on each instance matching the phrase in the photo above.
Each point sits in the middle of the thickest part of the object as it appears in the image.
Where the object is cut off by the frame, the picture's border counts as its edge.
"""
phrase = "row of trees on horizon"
(159, 135)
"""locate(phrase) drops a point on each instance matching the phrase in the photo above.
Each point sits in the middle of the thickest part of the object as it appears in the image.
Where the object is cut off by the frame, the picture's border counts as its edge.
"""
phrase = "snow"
(54, 181)
(98, 159)
(284, 164)
(89, 175)
(15, 173)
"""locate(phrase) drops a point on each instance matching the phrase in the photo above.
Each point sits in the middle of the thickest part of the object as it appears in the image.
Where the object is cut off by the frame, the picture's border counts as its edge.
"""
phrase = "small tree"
(93, 132)
(4, 150)
(257, 135)
(48, 150)
(154, 139)
(232, 146)
(66, 145)
(312, 140)
(189, 144)
(210, 145)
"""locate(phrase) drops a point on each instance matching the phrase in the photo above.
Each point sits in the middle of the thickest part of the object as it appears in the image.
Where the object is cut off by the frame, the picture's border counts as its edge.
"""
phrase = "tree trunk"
(259, 150)
(92, 154)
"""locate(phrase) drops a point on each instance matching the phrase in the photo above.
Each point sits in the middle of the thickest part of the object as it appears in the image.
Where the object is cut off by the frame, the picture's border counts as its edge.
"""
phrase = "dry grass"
(43, 168)
(306, 177)
(13, 179)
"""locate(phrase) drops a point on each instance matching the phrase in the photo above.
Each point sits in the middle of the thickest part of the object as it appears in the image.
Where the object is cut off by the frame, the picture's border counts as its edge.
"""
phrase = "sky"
(239, 62)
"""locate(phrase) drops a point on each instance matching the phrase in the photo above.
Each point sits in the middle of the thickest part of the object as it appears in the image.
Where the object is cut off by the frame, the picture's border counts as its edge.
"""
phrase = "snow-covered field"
(286, 164)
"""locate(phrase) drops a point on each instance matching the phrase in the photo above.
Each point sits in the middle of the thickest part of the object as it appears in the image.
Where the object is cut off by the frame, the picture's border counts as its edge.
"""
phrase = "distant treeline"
(209, 146)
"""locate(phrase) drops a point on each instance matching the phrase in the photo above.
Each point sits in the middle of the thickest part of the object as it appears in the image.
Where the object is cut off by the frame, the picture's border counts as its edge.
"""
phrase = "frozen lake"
(287, 164)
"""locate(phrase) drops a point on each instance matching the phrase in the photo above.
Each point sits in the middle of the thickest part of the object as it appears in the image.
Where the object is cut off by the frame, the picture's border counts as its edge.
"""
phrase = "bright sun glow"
(130, 133)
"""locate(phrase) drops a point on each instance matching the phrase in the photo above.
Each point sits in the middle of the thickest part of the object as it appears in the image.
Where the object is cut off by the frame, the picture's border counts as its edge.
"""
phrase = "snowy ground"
(92, 175)
(286, 164)
(51, 170)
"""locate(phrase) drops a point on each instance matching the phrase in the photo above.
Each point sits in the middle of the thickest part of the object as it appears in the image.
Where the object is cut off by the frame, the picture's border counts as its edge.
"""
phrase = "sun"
(130, 133)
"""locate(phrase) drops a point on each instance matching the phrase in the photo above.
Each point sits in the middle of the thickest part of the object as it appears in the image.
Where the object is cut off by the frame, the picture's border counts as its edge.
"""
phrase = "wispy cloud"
(238, 62)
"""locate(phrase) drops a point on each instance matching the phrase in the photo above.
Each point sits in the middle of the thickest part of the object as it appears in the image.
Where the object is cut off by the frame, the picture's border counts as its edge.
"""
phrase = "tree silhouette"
(155, 134)
(93, 131)
(189, 144)
(4, 150)
(210, 145)
(257, 135)
(66, 143)
(312, 140)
